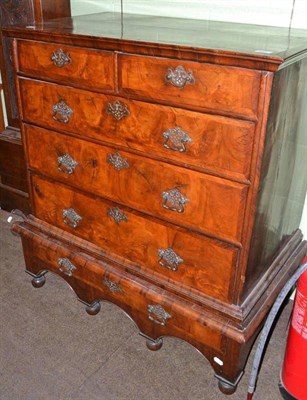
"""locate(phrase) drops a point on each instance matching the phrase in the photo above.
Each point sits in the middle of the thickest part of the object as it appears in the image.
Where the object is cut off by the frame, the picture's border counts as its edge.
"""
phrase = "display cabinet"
(13, 181)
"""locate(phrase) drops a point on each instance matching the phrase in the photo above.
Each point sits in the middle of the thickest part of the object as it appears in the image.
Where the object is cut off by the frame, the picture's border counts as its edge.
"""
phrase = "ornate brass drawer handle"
(117, 215)
(71, 218)
(67, 164)
(179, 77)
(174, 200)
(61, 112)
(117, 161)
(66, 266)
(176, 139)
(118, 110)
(114, 287)
(169, 259)
(157, 314)
(60, 59)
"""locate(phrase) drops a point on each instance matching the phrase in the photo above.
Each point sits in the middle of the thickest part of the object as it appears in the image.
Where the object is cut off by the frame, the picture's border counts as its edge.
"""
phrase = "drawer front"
(213, 143)
(203, 202)
(94, 280)
(228, 90)
(80, 66)
(188, 260)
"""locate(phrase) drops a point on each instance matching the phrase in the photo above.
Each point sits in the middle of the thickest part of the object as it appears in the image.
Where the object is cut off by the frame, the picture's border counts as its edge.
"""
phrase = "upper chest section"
(200, 86)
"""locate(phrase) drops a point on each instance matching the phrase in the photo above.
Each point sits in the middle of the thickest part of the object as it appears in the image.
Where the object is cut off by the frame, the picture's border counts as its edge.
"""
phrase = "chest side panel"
(283, 179)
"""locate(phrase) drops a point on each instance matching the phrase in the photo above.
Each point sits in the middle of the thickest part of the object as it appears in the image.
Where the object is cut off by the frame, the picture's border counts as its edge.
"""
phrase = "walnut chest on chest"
(165, 175)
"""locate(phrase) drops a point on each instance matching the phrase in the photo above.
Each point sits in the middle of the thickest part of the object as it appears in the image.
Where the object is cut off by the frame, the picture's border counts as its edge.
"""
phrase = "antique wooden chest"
(166, 167)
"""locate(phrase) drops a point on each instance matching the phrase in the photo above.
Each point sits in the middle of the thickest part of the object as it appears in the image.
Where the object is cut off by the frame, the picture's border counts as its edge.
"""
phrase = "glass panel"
(199, 33)
(82, 7)
(260, 12)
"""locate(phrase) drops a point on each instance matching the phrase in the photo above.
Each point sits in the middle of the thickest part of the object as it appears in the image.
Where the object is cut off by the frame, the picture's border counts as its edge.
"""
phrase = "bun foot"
(38, 281)
(154, 345)
(226, 388)
(93, 309)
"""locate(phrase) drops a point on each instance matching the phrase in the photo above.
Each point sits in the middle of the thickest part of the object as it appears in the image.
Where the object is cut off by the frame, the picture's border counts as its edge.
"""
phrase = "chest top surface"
(252, 46)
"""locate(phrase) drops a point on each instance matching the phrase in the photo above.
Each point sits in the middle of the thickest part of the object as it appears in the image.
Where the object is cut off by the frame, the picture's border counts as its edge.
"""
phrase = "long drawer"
(205, 203)
(228, 90)
(190, 261)
(212, 143)
(156, 312)
(73, 65)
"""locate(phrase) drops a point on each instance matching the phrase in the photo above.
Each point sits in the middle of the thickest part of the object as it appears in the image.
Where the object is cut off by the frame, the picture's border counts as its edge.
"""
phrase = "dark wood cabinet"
(13, 181)
(165, 174)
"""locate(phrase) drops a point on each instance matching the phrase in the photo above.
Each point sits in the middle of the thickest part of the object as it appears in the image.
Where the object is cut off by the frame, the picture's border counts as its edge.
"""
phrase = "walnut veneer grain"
(164, 223)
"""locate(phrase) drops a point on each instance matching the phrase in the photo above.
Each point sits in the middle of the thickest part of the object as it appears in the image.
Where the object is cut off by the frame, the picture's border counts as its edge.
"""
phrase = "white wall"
(304, 217)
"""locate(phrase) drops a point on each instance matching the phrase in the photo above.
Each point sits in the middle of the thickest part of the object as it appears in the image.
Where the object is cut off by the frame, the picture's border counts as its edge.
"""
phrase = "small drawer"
(67, 64)
(224, 90)
(207, 142)
(192, 199)
(156, 312)
(192, 262)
